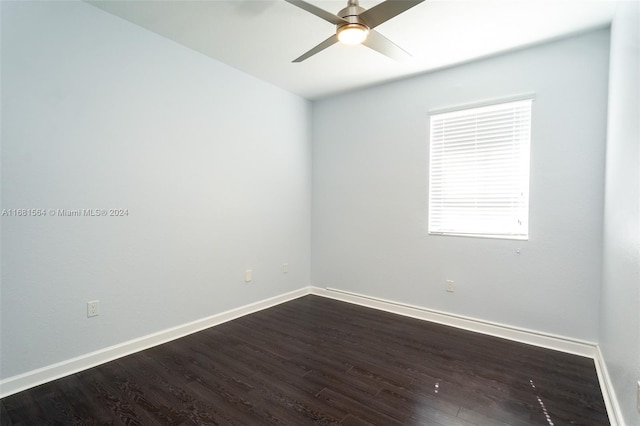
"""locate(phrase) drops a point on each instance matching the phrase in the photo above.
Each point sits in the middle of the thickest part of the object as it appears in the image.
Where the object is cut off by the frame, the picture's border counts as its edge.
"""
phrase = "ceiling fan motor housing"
(351, 14)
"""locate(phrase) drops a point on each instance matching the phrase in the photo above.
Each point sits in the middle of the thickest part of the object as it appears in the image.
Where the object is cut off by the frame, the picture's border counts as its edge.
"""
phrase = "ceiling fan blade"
(386, 10)
(328, 42)
(381, 44)
(321, 13)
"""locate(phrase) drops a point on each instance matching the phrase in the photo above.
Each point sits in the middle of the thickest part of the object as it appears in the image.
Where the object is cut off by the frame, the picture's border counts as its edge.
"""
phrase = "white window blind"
(479, 171)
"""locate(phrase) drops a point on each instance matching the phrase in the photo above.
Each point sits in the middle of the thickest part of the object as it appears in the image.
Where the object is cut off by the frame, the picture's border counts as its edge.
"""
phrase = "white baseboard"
(549, 341)
(46, 374)
(531, 337)
(608, 391)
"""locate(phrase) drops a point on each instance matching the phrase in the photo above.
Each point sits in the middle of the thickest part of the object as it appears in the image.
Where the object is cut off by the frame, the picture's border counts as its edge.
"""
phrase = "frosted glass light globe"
(352, 33)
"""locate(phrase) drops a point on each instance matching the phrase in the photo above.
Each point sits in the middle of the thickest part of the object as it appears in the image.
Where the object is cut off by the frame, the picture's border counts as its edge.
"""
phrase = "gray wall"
(213, 165)
(370, 185)
(620, 305)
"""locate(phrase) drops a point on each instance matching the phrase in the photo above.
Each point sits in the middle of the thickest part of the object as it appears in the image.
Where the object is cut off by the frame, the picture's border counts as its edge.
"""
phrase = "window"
(479, 171)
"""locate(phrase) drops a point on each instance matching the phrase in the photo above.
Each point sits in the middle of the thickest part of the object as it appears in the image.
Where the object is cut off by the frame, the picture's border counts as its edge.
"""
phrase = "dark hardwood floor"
(319, 361)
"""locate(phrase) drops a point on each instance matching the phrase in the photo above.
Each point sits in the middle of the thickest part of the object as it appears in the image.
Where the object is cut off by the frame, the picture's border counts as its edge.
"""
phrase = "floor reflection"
(544, 409)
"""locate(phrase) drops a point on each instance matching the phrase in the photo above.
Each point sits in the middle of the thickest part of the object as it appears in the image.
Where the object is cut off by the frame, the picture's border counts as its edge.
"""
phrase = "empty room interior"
(212, 216)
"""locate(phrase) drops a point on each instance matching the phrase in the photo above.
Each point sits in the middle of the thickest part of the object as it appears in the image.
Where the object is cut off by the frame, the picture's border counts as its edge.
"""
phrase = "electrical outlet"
(285, 268)
(450, 286)
(248, 275)
(93, 308)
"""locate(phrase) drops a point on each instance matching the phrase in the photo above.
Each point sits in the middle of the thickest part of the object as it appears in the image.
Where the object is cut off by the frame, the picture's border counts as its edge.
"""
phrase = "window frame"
(523, 148)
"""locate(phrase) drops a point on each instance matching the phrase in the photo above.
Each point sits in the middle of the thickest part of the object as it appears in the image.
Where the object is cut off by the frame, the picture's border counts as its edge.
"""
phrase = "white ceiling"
(262, 37)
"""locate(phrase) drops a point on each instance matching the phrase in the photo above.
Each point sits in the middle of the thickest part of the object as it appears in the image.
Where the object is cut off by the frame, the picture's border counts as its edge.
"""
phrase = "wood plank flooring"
(318, 361)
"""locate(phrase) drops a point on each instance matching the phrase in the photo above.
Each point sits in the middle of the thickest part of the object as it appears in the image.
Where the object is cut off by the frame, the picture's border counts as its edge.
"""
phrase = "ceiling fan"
(355, 25)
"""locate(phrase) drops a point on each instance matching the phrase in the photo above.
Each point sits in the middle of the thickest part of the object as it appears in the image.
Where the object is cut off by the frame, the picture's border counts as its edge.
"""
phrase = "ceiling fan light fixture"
(353, 33)
(356, 25)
